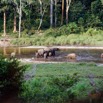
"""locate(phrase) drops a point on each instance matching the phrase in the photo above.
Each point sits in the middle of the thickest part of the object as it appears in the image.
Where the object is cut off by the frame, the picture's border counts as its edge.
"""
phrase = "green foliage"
(11, 74)
(93, 21)
(50, 37)
(62, 69)
(63, 30)
(92, 32)
(48, 90)
(61, 82)
(76, 10)
(83, 14)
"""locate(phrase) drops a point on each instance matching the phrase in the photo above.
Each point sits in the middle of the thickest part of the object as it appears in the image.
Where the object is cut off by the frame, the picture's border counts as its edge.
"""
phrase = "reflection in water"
(19, 50)
(4, 51)
(29, 53)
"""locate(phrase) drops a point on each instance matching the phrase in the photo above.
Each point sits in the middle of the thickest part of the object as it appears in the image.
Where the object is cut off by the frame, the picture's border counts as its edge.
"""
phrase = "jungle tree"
(4, 8)
(51, 13)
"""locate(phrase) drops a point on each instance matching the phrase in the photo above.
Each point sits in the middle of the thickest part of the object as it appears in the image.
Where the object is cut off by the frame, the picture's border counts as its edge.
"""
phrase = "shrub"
(61, 40)
(72, 28)
(11, 73)
(91, 32)
(48, 90)
(50, 41)
(31, 31)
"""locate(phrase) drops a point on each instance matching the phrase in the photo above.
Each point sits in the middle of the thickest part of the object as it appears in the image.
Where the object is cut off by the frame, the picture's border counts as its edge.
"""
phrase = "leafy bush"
(48, 90)
(93, 21)
(92, 32)
(72, 27)
(11, 73)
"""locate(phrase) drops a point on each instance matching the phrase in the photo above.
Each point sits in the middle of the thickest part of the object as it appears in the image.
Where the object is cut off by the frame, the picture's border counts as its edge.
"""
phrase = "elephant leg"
(37, 55)
(50, 53)
(45, 55)
(53, 53)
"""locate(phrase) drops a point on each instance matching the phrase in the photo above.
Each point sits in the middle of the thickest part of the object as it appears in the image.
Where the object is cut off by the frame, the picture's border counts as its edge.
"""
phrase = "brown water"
(84, 55)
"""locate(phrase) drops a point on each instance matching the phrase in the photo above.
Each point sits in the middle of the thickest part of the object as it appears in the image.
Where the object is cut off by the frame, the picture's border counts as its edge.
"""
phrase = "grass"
(82, 69)
(60, 36)
(55, 83)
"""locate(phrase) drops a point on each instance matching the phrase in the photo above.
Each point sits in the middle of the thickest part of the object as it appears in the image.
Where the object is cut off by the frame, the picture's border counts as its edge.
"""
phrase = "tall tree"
(5, 7)
(15, 23)
(41, 13)
(19, 6)
(62, 18)
(68, 2)
(51, 13)
(4, 23)
(55, 13)
(43, 7)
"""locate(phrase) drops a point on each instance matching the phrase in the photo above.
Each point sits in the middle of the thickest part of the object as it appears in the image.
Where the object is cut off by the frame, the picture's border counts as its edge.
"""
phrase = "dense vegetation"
(65, 16)
(91, 37)
(46, 83)
(62, 82)
(11, 75)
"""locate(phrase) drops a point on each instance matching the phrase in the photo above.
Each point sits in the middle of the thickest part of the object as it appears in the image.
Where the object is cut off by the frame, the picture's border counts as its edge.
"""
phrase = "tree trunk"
(51, 13)
(4, 24)
(55, 13)
(15, 30)
(67, 11)
(41, 13)
(62, 18)
(20, 20)
(68, 2)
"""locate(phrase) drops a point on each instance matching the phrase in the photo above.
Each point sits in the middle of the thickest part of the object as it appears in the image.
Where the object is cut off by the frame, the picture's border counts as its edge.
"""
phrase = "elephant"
(72, 56)
(52, 51)
(101, 55)
(46, 52)
(12, 55)
(40, 53)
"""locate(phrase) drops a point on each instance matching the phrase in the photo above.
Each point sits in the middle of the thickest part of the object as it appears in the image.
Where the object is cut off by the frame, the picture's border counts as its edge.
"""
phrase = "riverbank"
(66, 47)
(50, 38)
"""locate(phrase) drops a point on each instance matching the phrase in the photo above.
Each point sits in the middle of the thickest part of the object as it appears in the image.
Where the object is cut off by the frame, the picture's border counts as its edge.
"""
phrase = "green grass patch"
(60, 82)
(82, 69)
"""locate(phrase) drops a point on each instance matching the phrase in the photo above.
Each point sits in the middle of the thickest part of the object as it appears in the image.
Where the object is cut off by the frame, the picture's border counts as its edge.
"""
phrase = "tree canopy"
(42, 14)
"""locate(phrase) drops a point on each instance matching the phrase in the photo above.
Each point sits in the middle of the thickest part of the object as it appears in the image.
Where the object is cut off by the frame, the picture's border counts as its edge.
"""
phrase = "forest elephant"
(72, 56)
(46, 52)
(101, 55)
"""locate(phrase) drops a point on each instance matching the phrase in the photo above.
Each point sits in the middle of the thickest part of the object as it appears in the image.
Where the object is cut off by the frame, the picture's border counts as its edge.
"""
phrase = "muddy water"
(88, 55)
